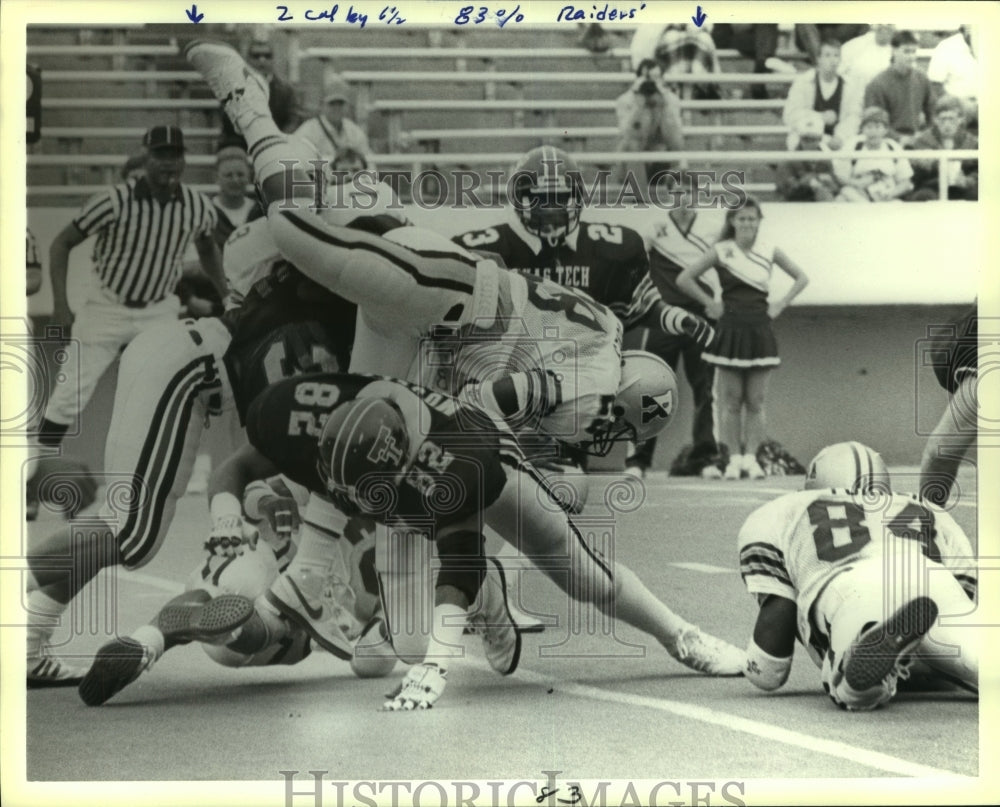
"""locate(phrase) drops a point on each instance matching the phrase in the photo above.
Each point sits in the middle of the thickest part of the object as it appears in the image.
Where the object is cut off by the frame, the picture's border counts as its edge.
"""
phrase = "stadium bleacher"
(426, 92)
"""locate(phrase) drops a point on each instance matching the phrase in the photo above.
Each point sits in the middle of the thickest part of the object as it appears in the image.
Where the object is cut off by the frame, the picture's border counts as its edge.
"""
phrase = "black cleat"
(204, 623)
(874, 655)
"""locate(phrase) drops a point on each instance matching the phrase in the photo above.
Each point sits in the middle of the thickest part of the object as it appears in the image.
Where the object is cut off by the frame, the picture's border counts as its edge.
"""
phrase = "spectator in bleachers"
(678, 49)
(810, 38)
(649, 119)
(953, 70)
(946, 132)
(865, 56)
(902, 90)
(874, 180)
(233, 174)
(283, 99)
(811, 180)
(757, 42)
(332, 131)
(595, 38)
(837, 99)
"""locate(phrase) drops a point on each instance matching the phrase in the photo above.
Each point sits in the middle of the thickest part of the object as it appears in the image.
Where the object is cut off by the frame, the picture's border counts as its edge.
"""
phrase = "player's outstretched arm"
(769, 652)
(225, 487)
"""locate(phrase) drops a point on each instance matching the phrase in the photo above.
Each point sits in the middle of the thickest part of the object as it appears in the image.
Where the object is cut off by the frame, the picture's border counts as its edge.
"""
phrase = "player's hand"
(231, 536)
(774, 310)
(281, 512)
(419, 689)
(714, 309)
(698, 329)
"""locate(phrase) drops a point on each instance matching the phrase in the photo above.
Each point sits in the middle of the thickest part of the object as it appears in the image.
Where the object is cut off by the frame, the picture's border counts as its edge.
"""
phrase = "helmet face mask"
(852, 466)
(547, 194)
(645, 404)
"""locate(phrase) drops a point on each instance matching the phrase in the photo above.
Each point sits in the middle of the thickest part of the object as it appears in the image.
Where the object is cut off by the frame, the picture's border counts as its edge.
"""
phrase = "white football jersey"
(248, 255)
(794, 545)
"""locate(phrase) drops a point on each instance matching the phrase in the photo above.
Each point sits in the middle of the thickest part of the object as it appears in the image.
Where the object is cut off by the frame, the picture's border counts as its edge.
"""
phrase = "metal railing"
(416, 163)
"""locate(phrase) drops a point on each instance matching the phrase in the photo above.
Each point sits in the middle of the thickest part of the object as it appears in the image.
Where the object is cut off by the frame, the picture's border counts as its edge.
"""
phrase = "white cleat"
(708, 654)
(243, 93)
(46, 672)
(494, 622)
(752, 467)
(867, 675)
(320, 617)
(735, 467)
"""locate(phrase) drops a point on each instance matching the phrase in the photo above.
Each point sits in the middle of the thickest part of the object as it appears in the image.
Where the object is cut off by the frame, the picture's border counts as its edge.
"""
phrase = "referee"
(143, 229)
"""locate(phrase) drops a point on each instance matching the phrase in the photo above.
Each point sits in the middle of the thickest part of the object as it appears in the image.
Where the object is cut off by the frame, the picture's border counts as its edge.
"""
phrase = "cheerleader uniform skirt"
(743, 341)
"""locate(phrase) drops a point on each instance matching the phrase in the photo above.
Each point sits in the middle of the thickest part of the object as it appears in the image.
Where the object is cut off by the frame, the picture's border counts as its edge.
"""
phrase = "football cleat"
(880, 654)
(494, 622)
(419, 689)
(116, 665)
(45, 672)
(320, 617)
(211, 622)
(707, 654)
(243, 93)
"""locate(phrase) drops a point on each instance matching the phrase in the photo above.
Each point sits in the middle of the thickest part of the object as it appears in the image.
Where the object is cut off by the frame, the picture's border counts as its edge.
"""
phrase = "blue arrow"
(195, 17)
(699, 18)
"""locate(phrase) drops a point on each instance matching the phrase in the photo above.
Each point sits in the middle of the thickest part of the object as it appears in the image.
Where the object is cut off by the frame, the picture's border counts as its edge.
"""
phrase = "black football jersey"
(286, 325)
(609, 263)
(455, 469)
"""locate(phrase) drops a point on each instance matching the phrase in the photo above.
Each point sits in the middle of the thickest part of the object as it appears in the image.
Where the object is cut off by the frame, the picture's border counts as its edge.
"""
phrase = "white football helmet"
(849, 465)
(645, 404)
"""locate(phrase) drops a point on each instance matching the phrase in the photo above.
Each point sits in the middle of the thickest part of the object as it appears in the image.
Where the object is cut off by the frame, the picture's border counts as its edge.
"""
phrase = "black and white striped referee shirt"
(141, 242)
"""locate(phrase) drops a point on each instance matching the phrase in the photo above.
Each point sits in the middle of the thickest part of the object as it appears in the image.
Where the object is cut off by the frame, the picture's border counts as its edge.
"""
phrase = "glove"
(230, 537)
(698, 329)
(419, 689)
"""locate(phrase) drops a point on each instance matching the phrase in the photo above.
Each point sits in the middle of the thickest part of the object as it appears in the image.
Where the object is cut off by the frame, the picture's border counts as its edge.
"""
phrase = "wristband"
(252, 497)
(671, 318)
(764, 670)
(225, 505)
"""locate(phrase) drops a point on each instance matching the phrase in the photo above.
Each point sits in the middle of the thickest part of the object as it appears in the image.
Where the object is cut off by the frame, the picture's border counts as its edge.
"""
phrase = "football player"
(208, 612)
(531, 352)
(172, 380)
(430, 464)
(859, 574)
(955, 432)
(546, 238)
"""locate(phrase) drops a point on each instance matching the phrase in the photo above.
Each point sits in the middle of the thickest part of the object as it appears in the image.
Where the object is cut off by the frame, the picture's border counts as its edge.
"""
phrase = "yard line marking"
(833, 748)
(707, 568)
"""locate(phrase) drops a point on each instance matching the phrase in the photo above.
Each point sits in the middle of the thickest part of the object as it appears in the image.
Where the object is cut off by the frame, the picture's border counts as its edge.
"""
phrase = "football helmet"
(645, 404)
(548, 194)
(363, 446)
(849, 465)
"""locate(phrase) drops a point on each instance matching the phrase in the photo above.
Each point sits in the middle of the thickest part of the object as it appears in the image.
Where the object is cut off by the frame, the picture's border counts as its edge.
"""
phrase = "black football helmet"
(548, 193)
(363, 447)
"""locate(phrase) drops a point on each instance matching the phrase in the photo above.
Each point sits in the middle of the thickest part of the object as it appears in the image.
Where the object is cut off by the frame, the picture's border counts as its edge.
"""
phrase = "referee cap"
(164, 137)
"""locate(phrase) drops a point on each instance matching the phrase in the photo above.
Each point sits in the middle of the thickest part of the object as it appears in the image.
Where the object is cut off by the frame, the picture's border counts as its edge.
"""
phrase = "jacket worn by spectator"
(805, 95)
(874, 180)
(963, 175)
